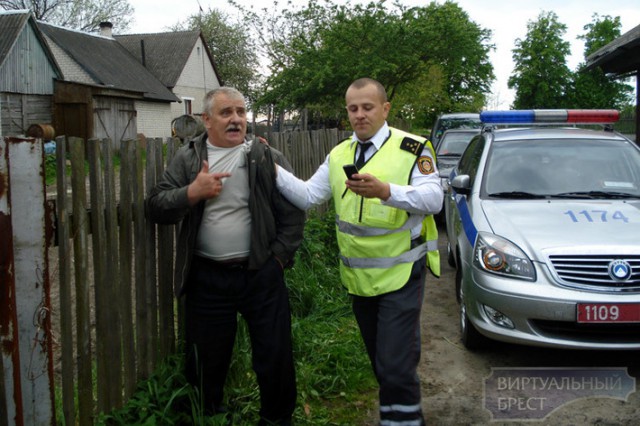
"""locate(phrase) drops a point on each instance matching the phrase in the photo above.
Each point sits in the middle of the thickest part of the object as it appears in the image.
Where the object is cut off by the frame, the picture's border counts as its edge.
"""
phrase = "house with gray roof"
(27, 72)
(107, 93)
(181, 60)
(101, 86)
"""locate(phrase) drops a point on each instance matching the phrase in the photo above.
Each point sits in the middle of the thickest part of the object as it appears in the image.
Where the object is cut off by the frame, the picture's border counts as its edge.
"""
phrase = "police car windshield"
(563, 168)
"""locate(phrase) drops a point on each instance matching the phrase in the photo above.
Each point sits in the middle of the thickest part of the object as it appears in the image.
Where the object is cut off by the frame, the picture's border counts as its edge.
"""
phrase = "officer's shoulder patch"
(425, 165)
(411, 145)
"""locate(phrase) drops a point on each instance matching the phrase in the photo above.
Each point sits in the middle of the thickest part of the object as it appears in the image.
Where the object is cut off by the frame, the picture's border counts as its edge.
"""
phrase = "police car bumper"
(541, 313)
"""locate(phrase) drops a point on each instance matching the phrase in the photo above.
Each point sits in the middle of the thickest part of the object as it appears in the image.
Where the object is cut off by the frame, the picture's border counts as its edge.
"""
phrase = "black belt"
(224, 264)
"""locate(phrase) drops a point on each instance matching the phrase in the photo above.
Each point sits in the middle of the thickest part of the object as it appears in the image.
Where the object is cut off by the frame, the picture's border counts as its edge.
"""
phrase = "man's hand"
(207, 185)
(369, 186)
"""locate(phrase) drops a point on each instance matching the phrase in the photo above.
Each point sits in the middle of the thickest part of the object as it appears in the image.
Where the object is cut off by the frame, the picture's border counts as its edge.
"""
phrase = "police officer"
(386, 235)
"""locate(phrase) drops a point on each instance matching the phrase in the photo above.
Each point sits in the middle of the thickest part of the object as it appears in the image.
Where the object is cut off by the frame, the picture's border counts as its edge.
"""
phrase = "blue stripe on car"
(465, 217)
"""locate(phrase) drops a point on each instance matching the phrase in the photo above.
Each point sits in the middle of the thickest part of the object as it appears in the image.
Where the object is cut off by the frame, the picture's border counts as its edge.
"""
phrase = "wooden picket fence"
(117, 316)
(101, 227)
(307, 150)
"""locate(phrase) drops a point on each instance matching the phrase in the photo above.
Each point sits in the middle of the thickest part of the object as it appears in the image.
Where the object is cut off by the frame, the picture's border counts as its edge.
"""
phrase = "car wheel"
(471, 338)
(451, 260)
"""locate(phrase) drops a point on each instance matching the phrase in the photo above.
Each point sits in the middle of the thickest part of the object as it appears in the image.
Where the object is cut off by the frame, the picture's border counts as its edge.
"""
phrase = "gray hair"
(209, 99)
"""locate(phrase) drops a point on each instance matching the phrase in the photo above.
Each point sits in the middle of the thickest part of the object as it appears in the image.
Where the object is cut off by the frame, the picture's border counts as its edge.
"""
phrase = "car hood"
(538, 226)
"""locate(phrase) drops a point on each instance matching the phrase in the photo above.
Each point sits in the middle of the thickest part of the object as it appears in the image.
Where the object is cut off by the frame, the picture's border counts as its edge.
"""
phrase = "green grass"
(334, 378)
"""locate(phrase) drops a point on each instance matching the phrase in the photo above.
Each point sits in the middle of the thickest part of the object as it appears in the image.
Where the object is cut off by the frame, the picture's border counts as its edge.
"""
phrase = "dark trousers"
(215, 295)
(390, 328)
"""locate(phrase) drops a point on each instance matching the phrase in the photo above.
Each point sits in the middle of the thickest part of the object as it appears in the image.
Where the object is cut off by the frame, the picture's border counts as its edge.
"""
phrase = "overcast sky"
(506, 18)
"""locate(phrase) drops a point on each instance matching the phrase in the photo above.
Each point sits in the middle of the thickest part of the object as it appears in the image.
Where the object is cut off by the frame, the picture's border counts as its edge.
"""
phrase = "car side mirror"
(461, 184)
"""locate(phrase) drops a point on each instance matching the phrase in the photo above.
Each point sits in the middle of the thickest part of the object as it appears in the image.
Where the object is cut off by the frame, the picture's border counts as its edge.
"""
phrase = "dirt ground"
(453, 378)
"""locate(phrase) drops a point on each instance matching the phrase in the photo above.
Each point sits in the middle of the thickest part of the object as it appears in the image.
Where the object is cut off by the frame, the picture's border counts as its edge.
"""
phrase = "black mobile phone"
(350, 170)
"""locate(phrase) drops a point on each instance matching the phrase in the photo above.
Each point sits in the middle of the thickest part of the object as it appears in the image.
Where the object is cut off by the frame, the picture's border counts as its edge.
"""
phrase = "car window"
(563, 166)
(470, 159)
(445, 123)
(454, 143)
(457, 123)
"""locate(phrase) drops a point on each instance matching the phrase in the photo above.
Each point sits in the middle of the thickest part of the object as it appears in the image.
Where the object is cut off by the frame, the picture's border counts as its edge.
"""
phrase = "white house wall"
(154, 119)
(197, 78)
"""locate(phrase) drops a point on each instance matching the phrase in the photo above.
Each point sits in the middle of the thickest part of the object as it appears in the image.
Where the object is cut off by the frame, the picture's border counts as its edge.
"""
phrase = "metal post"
(31, 280)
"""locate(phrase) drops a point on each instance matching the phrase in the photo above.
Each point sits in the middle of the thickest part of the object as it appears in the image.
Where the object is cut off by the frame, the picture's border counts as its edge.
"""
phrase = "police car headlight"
(496, 255)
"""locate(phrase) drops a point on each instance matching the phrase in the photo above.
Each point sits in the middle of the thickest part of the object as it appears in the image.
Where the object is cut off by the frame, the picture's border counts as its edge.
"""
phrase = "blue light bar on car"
(532, 116)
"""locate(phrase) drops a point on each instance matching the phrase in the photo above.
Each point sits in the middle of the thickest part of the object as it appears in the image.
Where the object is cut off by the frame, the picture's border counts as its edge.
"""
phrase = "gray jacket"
(276, 225)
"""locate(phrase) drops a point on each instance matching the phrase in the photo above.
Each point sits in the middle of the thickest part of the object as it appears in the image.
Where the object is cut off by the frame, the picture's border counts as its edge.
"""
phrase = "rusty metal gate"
(26, 391)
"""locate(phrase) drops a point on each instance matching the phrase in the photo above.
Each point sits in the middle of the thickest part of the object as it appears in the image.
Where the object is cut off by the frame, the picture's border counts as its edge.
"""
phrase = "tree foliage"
(541, 77)
(232, 48)
(315, 52)
(457, 74)
(83, 15)
(601, 31)
(592, 88)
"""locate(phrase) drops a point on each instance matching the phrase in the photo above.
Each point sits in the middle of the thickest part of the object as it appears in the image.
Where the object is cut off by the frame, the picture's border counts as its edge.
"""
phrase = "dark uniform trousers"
(216, 293)
(390, 328)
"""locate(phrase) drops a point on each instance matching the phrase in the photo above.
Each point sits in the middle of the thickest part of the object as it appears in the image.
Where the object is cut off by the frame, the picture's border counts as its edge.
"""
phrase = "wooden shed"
(104, 87)
(27, 73)
(92, 111)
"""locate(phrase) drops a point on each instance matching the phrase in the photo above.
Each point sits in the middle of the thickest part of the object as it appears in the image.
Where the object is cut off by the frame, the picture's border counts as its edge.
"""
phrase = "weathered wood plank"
(113, 350)
(143, 329)
(125, 297)
(80, 253)
(65, 283)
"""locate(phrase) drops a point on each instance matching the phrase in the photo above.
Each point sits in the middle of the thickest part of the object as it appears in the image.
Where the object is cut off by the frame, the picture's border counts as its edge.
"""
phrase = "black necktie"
(363, 148)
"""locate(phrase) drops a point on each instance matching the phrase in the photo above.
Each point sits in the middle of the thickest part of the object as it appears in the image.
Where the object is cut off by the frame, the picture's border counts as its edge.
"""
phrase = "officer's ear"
(386, 107)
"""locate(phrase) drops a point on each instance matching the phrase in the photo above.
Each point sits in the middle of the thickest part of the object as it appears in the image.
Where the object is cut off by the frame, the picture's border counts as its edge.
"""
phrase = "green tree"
(541, 77)
(83, 15)
(457, 74)
(592, 88)
(317, 50)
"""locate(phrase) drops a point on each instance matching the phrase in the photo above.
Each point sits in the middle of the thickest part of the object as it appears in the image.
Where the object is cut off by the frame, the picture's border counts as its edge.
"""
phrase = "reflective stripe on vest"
(387, 262)
(367, 231)
(430, 233)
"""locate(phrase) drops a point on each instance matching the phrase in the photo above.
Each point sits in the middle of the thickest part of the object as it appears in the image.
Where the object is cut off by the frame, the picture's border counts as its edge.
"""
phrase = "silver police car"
(543, 227)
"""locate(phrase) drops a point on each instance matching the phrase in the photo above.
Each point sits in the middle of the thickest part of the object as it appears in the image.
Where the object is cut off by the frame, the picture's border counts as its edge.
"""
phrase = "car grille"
(592, 272)
(596, 333)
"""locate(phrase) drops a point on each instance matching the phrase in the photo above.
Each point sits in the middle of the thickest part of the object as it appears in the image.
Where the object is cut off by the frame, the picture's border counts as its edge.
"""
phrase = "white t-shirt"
(225, 230)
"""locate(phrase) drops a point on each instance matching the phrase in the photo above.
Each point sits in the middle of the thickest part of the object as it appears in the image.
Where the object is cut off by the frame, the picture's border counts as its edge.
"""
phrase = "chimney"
(143, 56)
(106, 29)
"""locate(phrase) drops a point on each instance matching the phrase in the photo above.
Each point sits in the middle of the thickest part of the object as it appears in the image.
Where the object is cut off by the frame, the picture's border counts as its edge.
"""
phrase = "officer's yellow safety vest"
(374, 239)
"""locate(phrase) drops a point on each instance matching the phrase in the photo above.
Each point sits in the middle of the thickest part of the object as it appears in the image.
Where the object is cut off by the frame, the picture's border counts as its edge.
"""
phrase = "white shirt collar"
(377, 139)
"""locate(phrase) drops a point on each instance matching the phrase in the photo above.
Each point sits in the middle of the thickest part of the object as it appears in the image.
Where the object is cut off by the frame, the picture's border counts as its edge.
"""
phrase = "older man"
(237, 236)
